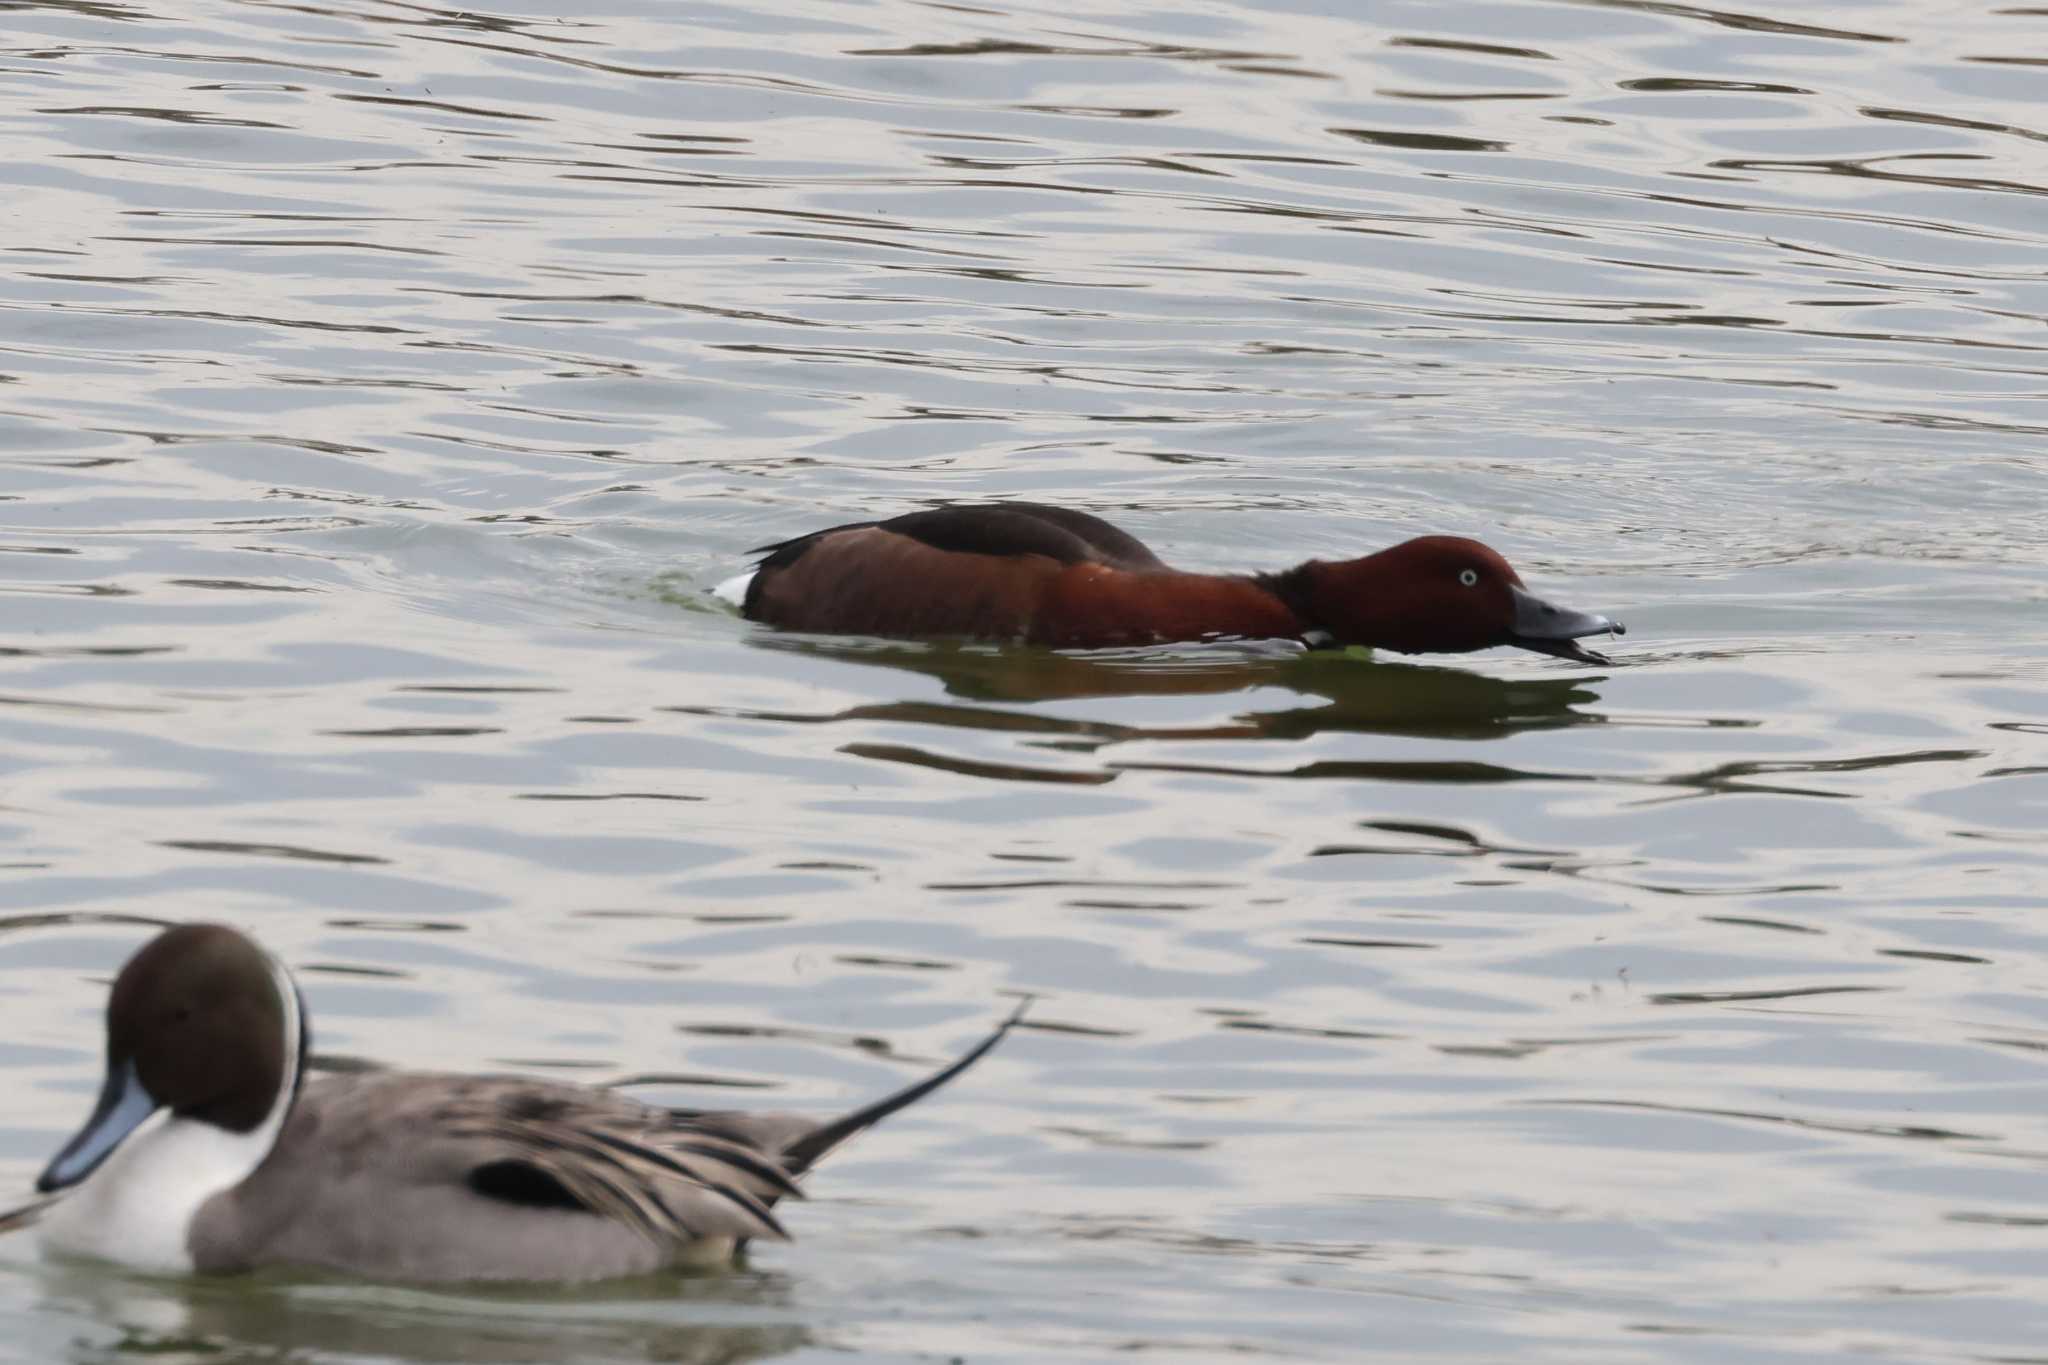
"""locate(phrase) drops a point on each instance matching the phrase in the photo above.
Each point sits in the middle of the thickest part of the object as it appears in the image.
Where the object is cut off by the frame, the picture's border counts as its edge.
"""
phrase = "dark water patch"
(1100, 1138)
(618, 796)
(1743, 997)
(689, 1078)
(1302, 1030)
(395, 925)
(913, 964)
(1754, 922)
(1911, 1132)
(350, 970)
(1054, 883)
(1004, 772)
(314, 855)
(1419, 142)
(419, 732)
(235, 585)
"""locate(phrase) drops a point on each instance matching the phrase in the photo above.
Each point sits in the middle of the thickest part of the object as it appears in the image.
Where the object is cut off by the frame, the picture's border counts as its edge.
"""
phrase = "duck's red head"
(1436, 594)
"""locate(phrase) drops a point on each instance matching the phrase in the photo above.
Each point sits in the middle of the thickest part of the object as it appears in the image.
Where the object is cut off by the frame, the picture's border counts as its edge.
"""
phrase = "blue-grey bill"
(1551, 629)
(122, 1107)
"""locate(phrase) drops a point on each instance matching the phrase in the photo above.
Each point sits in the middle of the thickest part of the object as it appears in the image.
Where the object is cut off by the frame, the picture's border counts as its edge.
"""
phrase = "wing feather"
(871, 581)
(436, 1177)
(997, 528)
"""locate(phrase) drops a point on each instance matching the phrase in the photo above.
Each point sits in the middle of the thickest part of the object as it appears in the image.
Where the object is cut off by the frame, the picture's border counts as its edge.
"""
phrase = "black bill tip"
(1550, 629)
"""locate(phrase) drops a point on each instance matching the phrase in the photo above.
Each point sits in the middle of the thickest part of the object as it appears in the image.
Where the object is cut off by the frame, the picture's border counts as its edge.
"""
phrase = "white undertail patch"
(733, 591)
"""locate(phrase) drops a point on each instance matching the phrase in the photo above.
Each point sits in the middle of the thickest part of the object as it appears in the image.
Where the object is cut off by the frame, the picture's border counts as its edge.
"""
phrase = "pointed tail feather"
(806, 1151)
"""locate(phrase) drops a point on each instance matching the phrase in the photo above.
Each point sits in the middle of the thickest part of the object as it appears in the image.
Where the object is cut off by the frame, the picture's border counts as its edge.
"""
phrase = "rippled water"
(382, 388)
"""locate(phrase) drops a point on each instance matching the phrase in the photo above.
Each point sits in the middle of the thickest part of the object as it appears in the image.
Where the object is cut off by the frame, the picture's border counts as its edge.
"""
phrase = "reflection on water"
(118, 1317)
(383, 387)
(1361, 696)
(1397, 699)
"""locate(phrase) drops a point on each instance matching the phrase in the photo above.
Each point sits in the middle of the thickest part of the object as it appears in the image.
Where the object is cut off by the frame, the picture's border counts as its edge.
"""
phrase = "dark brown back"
(978, 570)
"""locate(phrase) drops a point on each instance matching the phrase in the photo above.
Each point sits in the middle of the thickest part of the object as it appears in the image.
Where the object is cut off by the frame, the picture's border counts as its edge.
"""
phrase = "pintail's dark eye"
(1469, 577)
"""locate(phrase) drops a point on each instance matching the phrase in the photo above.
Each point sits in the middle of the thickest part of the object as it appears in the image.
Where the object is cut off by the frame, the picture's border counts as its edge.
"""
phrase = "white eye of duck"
(1469, 577)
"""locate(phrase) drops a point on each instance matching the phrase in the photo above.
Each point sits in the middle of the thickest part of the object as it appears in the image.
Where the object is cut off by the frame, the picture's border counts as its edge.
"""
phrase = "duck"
(212, 1151)
(1062, 579)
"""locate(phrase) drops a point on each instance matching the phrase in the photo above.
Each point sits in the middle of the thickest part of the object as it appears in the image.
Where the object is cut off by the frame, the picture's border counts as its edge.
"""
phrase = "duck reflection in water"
(1358, 694)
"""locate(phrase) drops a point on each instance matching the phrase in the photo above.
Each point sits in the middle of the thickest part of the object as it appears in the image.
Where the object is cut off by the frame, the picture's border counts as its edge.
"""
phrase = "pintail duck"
(1067, 580)
(211, 1150)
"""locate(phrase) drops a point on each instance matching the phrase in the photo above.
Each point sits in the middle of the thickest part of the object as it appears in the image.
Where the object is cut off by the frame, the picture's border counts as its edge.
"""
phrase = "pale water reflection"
(383, 388)
(255, 1319)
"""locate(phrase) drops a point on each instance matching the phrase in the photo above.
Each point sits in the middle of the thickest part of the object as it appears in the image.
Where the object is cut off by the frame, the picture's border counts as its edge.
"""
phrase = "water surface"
(383, 388)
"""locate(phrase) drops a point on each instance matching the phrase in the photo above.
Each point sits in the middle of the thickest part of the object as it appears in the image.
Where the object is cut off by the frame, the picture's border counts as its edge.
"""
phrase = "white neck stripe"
(294, 1044)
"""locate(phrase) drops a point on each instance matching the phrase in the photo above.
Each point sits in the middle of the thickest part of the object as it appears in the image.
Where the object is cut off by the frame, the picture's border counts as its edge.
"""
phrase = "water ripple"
(385, 385)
